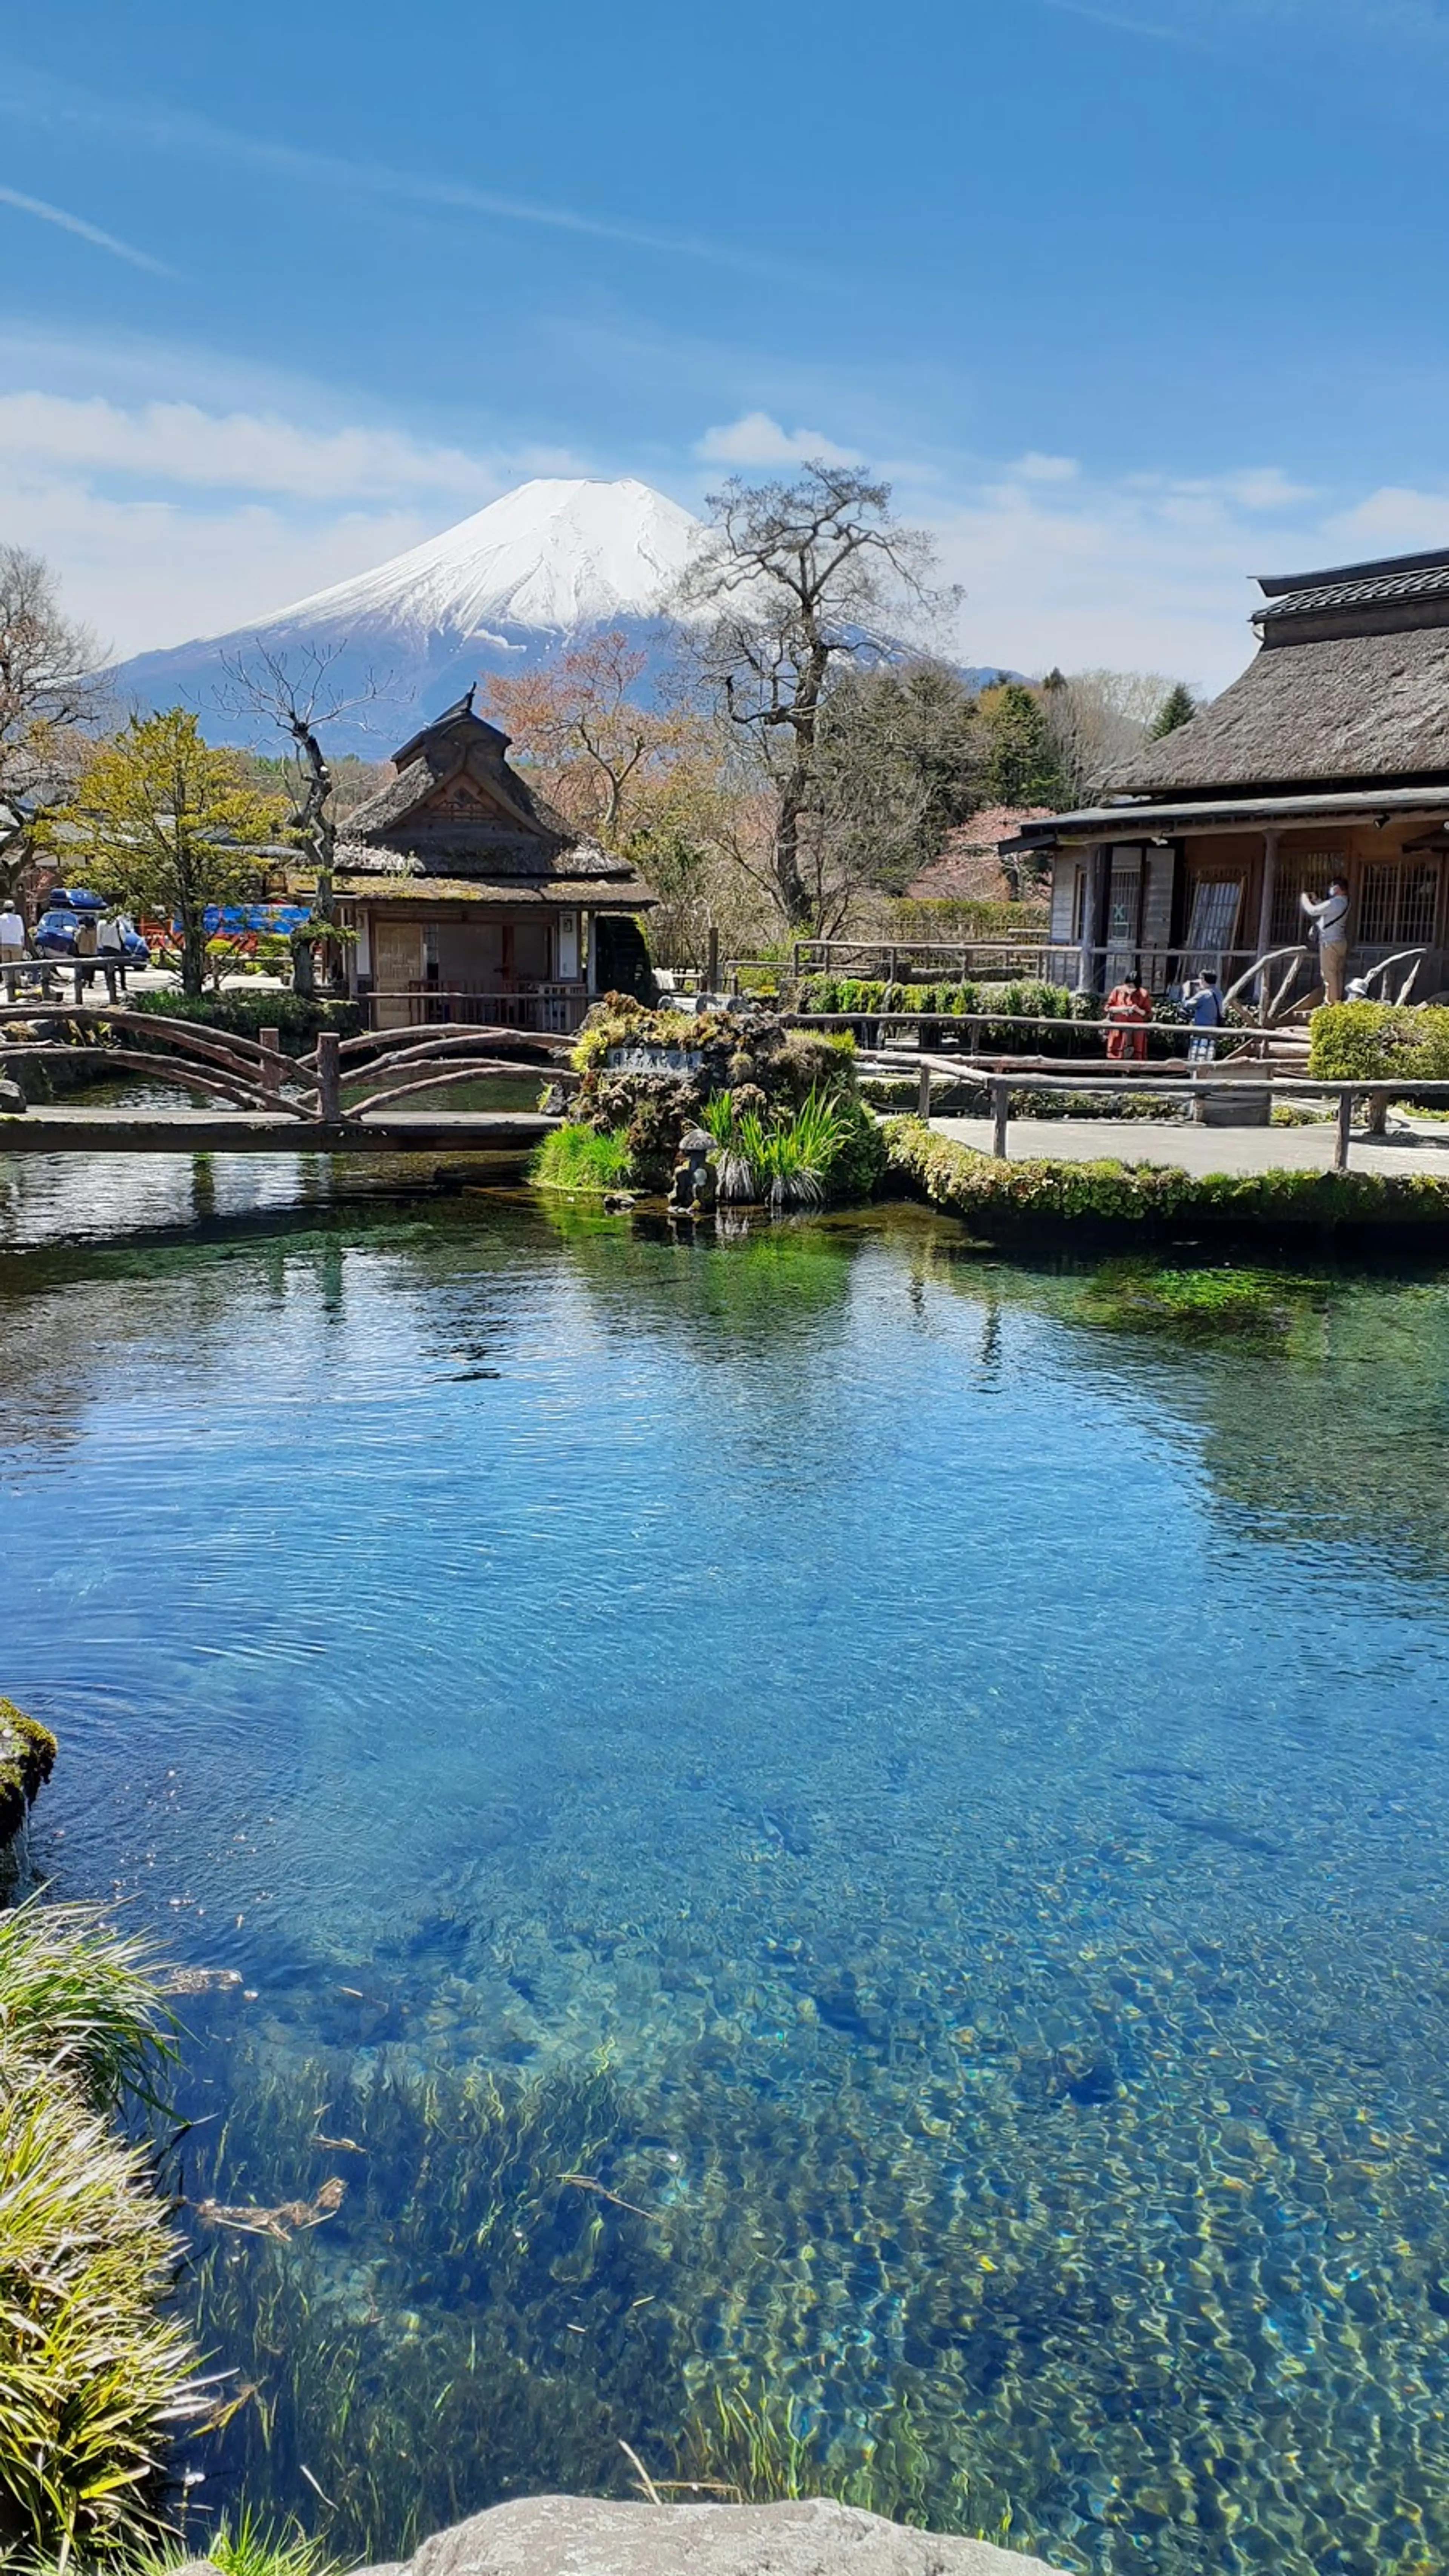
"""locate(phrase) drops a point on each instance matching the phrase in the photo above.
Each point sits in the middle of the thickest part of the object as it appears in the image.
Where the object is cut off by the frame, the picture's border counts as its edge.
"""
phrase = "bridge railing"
(254, 1074)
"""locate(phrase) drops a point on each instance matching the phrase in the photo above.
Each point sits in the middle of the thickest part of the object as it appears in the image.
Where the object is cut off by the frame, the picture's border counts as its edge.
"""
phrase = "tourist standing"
(12, 944)
(86, 946)
(1330, 918)
(1205, 1013)
(1129, 1007)
(111, 949)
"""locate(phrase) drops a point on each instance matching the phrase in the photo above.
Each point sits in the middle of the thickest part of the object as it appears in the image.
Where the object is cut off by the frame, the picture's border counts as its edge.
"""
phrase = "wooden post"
(1000, 1112)
(329, 1078)
(711, 960)
(1345, 1122)
(923, 1093)
(1265, 911)
(271, 1043)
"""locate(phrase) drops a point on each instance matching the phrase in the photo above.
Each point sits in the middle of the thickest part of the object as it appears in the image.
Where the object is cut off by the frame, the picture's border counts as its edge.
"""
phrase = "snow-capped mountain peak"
(552, 554)
(553, 561)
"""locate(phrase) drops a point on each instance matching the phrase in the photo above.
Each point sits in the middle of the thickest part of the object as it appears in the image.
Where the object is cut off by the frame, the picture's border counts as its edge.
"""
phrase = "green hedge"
(299, 1016)
(1377, 1041)
(1003, 1197)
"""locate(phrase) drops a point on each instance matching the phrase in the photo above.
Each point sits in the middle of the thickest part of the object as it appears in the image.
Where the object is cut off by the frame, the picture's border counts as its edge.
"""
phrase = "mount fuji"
(516, 584)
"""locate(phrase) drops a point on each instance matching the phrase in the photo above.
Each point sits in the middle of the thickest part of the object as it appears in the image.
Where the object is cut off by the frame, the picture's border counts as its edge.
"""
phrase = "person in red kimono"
(1129, 1007)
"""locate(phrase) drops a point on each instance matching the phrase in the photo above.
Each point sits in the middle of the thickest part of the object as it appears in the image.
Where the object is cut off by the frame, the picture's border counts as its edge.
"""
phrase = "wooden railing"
(254, 1074)
(1191, 1090)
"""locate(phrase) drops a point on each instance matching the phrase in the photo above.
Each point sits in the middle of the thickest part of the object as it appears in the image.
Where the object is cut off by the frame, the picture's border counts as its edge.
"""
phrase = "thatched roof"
(621, 892)
(1326, 712)
(455, 805)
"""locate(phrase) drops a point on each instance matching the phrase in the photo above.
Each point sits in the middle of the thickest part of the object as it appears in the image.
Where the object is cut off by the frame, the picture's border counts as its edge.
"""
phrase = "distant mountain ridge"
(516, 584)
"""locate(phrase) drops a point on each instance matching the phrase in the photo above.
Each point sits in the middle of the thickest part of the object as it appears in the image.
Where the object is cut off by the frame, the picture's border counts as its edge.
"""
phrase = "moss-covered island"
(27, 1758)
(758, 1113)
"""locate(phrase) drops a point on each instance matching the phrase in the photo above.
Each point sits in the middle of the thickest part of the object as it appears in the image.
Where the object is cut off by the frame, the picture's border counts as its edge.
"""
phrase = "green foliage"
(1002, 1197)
(899, 748)
(585, 1160)
(298, 1016)
(828, 1148)
(1177, 708)
(165, 824)
(1021, 766)
(82, 1997)
(1379, 1042)
(247, 2546)
(92, 2370)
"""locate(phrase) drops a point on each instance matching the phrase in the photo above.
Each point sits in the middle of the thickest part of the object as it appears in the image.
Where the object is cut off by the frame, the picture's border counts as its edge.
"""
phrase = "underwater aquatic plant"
(247, 2546)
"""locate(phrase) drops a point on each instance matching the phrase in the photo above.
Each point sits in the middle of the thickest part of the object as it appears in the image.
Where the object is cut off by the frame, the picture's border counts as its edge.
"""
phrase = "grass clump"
(247, 2546)
(587, 1161)
(93, 2374)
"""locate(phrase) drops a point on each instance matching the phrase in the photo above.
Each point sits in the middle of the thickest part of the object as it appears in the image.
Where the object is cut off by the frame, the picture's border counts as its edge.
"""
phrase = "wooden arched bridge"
(240, 1095)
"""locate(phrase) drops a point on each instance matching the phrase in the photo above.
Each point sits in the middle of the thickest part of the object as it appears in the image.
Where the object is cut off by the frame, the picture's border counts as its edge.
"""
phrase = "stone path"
(1421, 1149)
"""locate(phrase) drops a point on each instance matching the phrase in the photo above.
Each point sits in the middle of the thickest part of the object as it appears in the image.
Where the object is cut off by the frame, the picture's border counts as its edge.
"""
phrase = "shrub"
(586, 1160)
(1379, 1041)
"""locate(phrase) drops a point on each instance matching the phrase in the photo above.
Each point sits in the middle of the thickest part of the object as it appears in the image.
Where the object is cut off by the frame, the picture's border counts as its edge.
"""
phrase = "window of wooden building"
(1300, 872)
(1398, 904)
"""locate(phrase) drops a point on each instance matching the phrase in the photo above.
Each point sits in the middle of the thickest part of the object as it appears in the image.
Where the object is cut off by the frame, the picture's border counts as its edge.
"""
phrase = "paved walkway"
(1423, 1149)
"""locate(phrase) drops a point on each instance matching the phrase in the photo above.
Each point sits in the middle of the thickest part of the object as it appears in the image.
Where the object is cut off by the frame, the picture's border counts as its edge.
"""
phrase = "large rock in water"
(579, 2536)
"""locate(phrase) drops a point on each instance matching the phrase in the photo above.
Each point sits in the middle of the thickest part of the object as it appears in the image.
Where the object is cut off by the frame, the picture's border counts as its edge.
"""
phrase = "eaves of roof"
(419, 894)
(1142, 819)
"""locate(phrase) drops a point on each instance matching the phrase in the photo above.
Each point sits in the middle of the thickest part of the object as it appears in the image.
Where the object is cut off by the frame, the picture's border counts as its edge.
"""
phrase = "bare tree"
(796, 582)
(51, 694)
(1096, 720)
(299, 695)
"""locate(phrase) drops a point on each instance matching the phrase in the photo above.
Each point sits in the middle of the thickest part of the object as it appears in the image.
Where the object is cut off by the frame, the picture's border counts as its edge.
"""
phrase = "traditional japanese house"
(1328, 757)
(473, 900)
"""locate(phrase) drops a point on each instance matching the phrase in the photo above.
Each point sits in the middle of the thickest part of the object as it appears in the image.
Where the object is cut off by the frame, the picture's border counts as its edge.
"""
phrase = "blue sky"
(1128, 301)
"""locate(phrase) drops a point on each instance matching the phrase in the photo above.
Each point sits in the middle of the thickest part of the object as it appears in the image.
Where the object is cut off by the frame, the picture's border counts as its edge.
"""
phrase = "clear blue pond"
(807, 1817)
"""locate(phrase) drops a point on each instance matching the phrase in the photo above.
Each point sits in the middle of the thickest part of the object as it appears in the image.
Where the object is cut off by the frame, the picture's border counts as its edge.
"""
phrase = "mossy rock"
(27, 1758)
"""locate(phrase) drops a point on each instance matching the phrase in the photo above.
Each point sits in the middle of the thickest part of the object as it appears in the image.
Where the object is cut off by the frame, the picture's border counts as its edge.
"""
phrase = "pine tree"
(1176, 708)
(1021, 765)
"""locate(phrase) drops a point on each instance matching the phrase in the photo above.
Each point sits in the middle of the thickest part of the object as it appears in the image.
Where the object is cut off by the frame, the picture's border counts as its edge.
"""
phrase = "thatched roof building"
(472, 897)
(1329, 756)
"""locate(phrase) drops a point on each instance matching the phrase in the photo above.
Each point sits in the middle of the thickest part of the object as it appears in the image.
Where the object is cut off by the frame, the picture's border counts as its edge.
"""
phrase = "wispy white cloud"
(756, 439)
(37, 99)
(1124, 25)
(68, 223)
(1035, 468)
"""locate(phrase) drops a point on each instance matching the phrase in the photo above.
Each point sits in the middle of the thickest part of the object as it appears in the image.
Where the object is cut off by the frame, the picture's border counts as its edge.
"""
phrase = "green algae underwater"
(830, 1847)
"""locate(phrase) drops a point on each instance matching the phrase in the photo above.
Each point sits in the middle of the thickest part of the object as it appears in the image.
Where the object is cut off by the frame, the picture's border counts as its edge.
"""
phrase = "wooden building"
(473, 899)
(1328, 757)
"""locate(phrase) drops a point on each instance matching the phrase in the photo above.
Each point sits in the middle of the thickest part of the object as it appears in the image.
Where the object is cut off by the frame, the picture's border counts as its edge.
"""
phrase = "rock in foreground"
(578, 2536)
